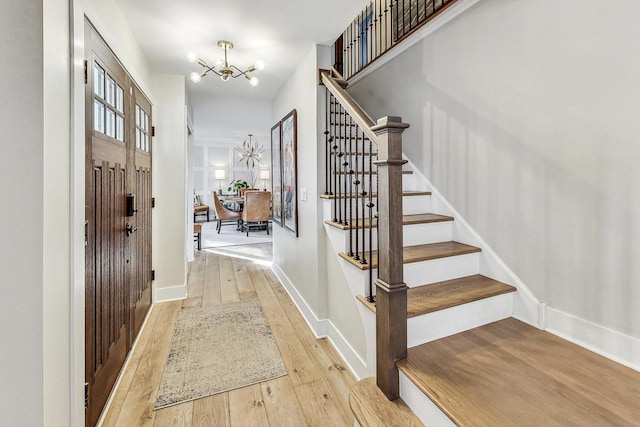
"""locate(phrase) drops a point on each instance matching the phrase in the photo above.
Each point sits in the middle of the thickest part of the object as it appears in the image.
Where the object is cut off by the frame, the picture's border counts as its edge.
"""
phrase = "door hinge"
(86, 232)
(153, 202)
(86, 395)
(86, 71)
(153, 275)
(153, 131)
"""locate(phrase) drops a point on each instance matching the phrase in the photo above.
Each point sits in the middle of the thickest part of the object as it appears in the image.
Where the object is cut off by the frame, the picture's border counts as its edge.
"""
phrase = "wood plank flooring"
(314, 393)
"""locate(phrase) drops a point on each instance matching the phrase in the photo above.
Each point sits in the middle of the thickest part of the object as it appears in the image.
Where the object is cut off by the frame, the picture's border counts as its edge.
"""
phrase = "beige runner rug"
(217, 349)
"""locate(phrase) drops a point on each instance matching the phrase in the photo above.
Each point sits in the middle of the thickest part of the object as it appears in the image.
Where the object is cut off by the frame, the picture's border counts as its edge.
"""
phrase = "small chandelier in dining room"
(223, 68)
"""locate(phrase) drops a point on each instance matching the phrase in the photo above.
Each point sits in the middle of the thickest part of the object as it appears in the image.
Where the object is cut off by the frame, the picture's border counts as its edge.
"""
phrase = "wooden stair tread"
(450, 293)
(406, 220)
(375, 195)
(508, 373)
(418, 253)
(372, 409)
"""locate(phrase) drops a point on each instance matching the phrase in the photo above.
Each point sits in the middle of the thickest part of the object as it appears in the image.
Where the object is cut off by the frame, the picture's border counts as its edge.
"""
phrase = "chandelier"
(222, 67)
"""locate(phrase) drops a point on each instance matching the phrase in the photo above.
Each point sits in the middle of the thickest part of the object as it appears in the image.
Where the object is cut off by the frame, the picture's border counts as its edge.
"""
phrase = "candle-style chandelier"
(223, 68)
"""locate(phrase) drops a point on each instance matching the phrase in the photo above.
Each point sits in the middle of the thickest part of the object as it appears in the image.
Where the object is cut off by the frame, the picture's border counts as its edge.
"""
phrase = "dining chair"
(223, 214)
(257, 210)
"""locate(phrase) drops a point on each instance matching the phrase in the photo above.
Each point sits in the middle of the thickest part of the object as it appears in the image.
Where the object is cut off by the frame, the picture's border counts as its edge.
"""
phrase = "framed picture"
(276, 172)
(289, 153)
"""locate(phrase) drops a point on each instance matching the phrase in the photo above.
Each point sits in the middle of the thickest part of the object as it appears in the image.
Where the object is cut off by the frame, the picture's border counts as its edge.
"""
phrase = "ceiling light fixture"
(222, 67)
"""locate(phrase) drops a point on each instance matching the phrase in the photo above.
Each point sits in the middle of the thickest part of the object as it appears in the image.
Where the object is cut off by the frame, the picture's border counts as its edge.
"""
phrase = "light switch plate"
(303, 194)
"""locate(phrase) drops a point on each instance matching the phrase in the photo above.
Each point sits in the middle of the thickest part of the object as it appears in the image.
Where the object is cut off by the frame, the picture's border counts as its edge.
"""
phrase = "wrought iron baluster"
(336, 141)
(327, 139)
(355, 200)
(370, 205)
(348, 198)
(345, 171)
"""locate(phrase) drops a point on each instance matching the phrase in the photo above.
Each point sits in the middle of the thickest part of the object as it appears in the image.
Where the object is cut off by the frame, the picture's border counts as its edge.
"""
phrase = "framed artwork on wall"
(276, 172)
(289, 155)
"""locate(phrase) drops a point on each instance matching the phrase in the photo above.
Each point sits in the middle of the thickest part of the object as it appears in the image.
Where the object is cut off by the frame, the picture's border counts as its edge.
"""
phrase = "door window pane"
(120, 99)
(98, 80)
(111, 91)
(111, 123)
(98, 116)
(120, 128)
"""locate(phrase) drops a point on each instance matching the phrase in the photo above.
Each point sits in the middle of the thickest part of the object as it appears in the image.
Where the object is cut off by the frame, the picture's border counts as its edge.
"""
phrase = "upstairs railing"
(367, 196)
(379, 27)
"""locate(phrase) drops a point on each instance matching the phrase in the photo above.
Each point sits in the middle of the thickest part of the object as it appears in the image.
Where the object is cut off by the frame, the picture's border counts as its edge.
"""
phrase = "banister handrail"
(350, 105)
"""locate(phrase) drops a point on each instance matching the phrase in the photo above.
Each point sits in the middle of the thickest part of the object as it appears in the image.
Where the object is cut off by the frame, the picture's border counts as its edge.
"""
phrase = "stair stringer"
(526, 306)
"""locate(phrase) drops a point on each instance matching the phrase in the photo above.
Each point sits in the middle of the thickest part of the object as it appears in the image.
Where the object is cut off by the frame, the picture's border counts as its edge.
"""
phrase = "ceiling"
(279, 32)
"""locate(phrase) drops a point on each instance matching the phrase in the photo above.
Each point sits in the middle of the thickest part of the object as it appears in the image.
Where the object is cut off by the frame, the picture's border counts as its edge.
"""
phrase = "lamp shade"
(220, 173)
(264, 174)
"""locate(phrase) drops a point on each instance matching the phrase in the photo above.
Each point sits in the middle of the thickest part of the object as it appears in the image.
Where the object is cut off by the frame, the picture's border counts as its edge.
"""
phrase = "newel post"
(391, 294)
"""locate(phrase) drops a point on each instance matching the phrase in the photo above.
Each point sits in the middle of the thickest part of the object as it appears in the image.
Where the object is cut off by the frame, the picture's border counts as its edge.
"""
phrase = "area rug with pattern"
(217, 349)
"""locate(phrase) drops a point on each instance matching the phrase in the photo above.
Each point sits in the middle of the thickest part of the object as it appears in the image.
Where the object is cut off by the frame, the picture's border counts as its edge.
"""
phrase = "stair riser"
(438, 270)
(420, 273)
(415, 234)
(421, 405)
(443, 323)
(411, 205)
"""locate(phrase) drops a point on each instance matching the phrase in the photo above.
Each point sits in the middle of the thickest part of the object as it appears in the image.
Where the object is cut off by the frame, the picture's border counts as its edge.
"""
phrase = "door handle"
(131, 229)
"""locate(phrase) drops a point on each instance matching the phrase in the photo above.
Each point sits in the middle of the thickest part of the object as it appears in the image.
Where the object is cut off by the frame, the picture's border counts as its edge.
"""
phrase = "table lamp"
(264, 176)
(220, 175)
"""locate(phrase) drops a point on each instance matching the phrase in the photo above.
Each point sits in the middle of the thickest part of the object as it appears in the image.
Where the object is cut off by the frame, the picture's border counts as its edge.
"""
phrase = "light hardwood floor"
(315, 392)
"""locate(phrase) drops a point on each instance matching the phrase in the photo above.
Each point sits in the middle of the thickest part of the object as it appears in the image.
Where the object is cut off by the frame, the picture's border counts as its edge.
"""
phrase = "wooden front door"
(118, 250)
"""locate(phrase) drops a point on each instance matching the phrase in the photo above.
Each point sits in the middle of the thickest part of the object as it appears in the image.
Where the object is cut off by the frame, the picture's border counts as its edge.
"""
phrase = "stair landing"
(508, 373)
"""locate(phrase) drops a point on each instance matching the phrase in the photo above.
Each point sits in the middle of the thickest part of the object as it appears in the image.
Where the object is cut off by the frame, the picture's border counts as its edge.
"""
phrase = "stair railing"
(379, 27)
(350, 138)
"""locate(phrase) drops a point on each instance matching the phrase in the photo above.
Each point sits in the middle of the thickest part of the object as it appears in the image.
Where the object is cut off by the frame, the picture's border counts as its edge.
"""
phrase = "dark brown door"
(117, 284)
(141, 185)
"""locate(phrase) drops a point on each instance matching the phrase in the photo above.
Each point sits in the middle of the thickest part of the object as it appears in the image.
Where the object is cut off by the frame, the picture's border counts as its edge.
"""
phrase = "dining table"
(232, 201)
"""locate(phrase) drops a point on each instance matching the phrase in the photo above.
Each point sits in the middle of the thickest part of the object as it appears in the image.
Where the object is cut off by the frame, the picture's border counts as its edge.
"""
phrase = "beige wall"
(524, 115)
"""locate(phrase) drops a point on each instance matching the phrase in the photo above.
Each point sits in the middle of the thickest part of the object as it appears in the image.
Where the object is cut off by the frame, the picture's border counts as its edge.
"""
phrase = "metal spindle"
(345, 172)
(354, 201)
(336, 141)
(370, 205)
(350, 196)
(327, 139)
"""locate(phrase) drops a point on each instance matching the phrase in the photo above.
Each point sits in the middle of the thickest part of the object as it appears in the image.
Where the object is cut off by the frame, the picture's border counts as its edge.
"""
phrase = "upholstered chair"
(257, 210)
(223, 214)
(200, 209)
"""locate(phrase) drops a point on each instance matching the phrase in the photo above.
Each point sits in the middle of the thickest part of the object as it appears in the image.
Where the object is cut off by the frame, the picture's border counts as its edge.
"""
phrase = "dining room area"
(232, 212)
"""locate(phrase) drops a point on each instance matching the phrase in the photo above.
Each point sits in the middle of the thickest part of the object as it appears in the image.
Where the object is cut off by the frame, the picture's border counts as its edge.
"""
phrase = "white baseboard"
(323, 328)
(606, 342)
(170, 293)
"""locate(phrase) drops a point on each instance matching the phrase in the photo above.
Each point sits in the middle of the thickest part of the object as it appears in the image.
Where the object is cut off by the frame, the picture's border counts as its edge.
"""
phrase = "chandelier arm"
(241, 73)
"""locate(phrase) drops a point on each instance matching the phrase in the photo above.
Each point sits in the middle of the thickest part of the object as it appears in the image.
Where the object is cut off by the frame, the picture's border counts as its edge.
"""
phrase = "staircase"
(468, 361)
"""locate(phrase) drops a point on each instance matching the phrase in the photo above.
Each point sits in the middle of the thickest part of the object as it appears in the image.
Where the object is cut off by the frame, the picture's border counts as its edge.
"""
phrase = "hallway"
(314, 393)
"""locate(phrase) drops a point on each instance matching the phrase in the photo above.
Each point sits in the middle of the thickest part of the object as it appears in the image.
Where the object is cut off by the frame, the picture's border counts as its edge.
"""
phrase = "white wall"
(303, 261)
(21, 186)
(300, 258)
(523, 114)
(169, 187)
